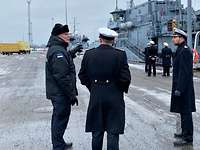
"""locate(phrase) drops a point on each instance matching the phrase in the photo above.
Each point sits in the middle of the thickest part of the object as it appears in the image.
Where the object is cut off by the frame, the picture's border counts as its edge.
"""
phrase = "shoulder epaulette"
(185, 46)
(90, 49)
(119, 49)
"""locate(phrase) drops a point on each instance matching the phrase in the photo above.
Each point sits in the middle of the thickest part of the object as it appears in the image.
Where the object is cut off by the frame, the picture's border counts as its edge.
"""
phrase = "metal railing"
(132, 47)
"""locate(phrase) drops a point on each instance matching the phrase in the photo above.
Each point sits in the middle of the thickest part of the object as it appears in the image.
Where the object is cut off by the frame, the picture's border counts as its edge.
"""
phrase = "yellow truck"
(20, 47)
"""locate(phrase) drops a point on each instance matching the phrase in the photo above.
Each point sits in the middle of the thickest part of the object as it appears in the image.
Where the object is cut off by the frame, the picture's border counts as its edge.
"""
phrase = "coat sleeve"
(185, 70)
(72, 53)
(145, 51)
(61, 73)
(162, 53)
(83, 76)
(124, 74)
(156, 51)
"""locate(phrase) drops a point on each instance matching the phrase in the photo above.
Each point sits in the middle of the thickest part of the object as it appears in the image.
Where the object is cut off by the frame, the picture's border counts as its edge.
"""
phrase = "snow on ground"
(162, 96)
(141, 67)
(3, 71)
(23, 104)
(26, 136)
(19, 57)
(198, 105)
(141, 111)
(196, 79)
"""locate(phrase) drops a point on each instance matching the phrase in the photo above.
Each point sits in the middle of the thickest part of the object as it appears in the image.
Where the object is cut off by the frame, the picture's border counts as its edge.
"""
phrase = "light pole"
(66, 11)
(52, 21)
(116, 4)
(74, 25)
(29, 22)
(189, 23)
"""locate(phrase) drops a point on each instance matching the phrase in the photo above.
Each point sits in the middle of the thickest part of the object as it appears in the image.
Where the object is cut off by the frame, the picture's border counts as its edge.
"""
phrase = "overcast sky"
(89, 14)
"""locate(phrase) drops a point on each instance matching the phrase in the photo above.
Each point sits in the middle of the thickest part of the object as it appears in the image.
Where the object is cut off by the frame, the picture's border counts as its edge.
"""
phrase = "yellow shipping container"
(19, 47)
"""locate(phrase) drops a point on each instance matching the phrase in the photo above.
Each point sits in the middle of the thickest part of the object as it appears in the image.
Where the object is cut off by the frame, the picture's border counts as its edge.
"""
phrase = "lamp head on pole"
(28, 1)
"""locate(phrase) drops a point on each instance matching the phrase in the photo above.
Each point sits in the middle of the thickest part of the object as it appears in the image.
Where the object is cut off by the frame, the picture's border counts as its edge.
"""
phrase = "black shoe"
(68, 146)
(178, 135)
(183, 142)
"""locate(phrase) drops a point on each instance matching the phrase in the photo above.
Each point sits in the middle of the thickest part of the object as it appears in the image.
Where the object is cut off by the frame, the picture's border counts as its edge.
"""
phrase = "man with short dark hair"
(183, 97)
(105, 72)
(60, 83)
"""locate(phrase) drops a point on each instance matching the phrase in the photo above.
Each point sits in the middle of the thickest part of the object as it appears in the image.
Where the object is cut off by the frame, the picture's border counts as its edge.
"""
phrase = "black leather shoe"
(68, 146)
(178, 135)
(183, 142)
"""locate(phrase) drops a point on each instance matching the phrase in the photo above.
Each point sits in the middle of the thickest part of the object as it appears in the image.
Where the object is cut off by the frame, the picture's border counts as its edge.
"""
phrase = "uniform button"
(107, 81)
(95, 81)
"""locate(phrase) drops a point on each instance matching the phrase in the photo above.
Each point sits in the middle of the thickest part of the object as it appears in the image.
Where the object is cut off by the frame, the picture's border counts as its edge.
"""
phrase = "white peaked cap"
(180, 32)
(108, 32)
(165, 44)
(152, 42)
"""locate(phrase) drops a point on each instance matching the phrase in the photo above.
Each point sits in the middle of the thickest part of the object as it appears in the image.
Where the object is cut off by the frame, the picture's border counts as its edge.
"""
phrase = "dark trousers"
(60, 118)
(146, 67)
(112, 141)
(152, 63)
(166, 71)
(187, 126)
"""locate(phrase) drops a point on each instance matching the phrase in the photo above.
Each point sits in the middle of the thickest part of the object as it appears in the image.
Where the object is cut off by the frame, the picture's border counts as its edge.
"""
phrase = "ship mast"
(189, 23)
(30, 38)
(66, 19)
(132, 4)
(116, 4)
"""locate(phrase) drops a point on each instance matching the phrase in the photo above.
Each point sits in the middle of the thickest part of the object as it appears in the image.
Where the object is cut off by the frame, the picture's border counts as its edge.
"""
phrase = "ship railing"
(132, 47)
(138, 51)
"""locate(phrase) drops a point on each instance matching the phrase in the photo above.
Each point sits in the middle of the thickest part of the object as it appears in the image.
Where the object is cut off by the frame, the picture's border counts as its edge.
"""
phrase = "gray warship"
(151, 20)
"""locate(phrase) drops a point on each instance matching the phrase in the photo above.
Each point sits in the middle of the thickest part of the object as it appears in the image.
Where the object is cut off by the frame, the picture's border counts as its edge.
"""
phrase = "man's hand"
(74, 101)
(177, 93)
(78, 48)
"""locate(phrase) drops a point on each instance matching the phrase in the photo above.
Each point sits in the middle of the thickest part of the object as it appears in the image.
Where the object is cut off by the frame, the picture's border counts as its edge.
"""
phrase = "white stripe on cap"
(108, 32)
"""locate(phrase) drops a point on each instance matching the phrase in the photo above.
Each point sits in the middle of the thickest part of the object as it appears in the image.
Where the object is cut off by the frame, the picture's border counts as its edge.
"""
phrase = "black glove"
(78, 48)
(177, 93)
(74, 101)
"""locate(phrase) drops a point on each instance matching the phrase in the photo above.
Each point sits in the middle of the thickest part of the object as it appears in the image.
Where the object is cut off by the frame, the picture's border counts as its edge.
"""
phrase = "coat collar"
(55, 40)
(105, 46)
(182, 44)
(180, 48)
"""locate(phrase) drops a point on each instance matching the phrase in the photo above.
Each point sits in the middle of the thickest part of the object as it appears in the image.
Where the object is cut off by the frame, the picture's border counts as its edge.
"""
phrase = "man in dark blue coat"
(166, 56)
(152, 53)
(60, 83)
(105, 72)
(183, 97)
